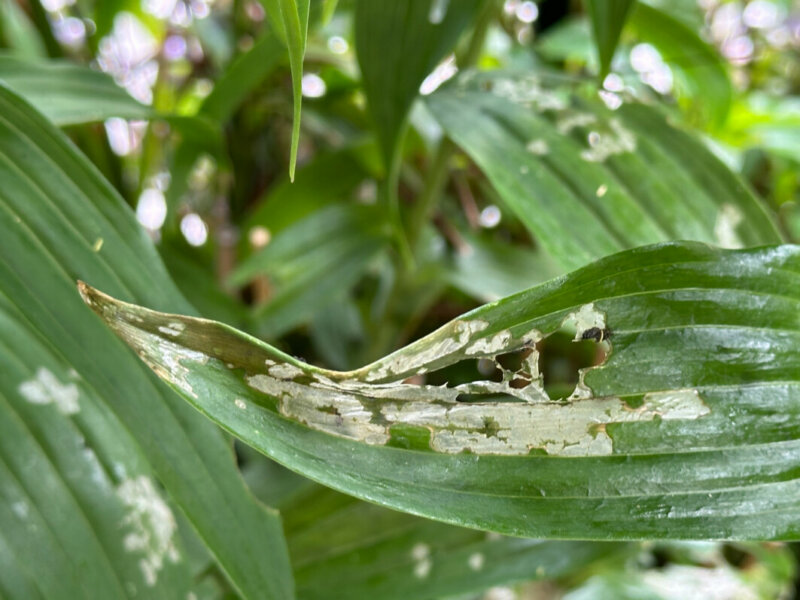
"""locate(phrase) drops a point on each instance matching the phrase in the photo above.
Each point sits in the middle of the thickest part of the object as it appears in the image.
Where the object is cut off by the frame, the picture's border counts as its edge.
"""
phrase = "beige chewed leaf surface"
(513, 416)
(681, 424)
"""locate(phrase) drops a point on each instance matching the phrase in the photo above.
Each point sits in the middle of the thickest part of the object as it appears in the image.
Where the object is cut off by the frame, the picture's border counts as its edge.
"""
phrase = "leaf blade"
(608, 18)
(693, 471)
(574, 165)
(54, 207)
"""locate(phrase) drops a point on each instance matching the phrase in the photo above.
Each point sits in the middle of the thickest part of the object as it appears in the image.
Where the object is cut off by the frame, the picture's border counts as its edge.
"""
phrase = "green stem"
(434, 185)
(393, 202)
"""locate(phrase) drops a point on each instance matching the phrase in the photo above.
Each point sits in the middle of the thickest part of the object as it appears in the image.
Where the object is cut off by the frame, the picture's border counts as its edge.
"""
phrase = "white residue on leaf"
(616, 141)
(421, 554)
(437, 11)
(45, 388)
(241, 404)
(538, 147)
(528, 91)
(728, 219)
(571, 121)
(423, 568)
(173, 329)
(21, 509)
(475, 561)
(151, 526)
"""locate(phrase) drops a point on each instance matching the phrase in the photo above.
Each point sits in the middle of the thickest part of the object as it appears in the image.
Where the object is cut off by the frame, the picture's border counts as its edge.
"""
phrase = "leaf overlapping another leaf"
(687, 430)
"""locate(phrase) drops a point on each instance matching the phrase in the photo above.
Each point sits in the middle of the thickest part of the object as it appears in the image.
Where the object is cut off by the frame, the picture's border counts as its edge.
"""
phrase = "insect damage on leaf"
(150, 524)
(45, 388)
(509, 415)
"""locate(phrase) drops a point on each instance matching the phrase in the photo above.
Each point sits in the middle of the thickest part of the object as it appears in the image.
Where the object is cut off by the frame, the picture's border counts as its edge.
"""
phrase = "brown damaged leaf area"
(512, 416)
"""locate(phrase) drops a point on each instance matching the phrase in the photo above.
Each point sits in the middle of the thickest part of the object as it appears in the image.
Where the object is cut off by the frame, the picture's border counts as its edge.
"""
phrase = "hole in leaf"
(465, 371)
(561, 358)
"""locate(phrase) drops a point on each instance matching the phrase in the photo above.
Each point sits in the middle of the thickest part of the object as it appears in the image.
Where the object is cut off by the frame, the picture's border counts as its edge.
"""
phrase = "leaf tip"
(92, 297)
(85, 290)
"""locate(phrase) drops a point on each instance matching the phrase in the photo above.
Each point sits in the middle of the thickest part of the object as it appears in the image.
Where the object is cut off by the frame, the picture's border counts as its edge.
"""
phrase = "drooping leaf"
(608, 18)
(587, 180)
(87, 432)
(312, 263)
(398, 44)
(290, 19)
(687, 429)
(244, 74)
(699, 69)
(69, 94)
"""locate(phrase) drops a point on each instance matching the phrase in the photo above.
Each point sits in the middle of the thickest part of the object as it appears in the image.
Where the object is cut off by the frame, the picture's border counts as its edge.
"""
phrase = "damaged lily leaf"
(687, 429)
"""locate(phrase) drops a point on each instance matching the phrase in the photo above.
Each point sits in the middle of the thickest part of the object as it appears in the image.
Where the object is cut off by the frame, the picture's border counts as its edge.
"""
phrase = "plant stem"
(393, 201)
(437, 174)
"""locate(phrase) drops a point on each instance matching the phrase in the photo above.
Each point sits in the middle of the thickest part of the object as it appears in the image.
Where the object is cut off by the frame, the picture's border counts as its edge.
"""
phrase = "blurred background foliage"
(390, 228)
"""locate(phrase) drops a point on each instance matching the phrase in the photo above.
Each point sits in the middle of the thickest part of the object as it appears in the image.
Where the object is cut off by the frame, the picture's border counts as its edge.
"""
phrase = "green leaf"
(327, 179)
(398, 44)
(59, 221)
(69, 94)
(290, 20)
(17, 31)
(488, 269)
(244, 74)
(338, 542)
(700, 72)
(687, 429)
(373, 552)
(313, 263)
(328, 9)
(241, 77)
(608, 18)
(588, 181)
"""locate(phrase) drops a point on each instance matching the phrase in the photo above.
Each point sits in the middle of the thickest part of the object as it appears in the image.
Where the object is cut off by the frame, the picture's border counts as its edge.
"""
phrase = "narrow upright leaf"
(700, 72)
(398, 45)
(291, 24)
(608, 18)
(687, 427)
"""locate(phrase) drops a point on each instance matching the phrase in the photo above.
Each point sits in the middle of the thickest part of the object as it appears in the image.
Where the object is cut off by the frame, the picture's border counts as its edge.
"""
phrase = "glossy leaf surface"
(398, 45)
(686, 428)
(588, 181)
(87, 433)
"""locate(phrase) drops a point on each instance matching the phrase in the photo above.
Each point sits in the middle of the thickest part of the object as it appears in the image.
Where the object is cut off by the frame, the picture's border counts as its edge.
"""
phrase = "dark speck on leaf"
(596, 334)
